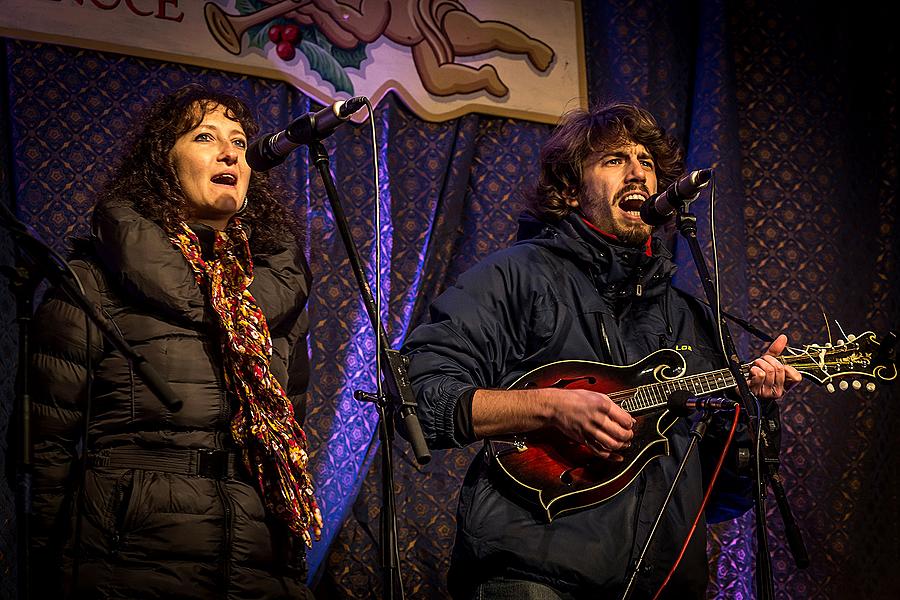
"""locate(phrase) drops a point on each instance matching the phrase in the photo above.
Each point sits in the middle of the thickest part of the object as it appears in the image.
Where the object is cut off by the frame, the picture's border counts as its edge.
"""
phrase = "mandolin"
(556, 474)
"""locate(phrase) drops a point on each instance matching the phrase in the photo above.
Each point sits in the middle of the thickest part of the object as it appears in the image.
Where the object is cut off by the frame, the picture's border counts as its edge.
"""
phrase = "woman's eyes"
(208, 137)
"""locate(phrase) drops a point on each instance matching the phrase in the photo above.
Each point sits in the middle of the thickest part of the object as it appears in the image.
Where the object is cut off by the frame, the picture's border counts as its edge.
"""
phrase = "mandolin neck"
(654, 396)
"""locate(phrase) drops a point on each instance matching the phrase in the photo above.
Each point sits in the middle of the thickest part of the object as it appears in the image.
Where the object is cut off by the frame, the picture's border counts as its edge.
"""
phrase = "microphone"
(681, 402)
(659, 208)
(271, 150)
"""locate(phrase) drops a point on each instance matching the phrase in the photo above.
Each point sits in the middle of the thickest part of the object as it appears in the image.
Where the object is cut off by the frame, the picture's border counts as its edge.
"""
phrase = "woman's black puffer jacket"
(167, 510)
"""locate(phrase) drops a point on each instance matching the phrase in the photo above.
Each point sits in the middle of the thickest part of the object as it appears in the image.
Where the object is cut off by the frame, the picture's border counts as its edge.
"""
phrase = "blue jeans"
(500, 588)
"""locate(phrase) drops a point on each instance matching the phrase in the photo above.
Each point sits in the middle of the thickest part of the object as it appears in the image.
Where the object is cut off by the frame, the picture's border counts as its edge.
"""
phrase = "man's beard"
(635, 234)
(599, 212)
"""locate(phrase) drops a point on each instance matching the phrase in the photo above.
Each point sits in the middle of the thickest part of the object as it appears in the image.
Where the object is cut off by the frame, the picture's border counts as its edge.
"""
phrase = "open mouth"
(224, 179)
(632, 203)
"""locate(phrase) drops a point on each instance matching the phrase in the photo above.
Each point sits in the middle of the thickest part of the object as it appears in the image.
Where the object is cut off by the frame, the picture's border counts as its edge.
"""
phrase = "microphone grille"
(649, 213)
(350, 106)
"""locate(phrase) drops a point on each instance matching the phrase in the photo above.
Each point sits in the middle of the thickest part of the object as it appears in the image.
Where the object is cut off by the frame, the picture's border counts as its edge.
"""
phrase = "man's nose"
(636, 171)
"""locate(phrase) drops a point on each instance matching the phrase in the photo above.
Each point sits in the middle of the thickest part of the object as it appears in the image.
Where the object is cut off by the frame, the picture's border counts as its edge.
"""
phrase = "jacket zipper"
(223, 494)
(636, 525)
(609, 354)
(226, 547)
(116, 515)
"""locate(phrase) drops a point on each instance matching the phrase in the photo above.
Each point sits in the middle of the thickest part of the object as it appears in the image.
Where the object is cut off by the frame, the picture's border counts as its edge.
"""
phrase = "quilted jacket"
(155, 530)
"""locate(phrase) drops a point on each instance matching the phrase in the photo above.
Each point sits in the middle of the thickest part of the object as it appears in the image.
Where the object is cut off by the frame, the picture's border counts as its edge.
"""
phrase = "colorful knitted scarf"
(273, 444)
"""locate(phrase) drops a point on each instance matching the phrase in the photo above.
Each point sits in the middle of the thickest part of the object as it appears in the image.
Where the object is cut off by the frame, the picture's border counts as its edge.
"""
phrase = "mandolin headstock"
(858, 357)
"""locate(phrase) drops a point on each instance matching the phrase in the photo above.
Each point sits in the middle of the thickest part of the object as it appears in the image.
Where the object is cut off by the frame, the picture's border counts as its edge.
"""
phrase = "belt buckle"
(98, 459)
(212, 463)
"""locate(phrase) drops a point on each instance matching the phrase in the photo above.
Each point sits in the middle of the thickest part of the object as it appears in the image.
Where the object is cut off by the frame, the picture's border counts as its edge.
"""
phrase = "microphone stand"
(399, 399)
(791, 529)
(23, 284)
(764, 457)
(38, 261)
(698, 430)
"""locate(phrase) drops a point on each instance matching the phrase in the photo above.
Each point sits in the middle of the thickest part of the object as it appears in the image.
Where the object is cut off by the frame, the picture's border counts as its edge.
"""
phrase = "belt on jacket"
(214, 464)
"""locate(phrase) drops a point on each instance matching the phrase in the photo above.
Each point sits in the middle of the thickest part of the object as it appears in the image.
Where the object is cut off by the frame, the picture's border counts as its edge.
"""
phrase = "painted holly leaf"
(352, 58)
(320, 38)
(258, 37)
(248, 6)
(346, 58)
(323, 63)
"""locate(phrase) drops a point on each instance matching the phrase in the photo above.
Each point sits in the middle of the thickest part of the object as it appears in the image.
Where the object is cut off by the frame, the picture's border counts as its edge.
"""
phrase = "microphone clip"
(682, 402)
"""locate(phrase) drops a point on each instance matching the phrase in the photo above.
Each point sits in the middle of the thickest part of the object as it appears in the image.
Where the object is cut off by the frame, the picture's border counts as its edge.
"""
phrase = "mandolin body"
(556, 474)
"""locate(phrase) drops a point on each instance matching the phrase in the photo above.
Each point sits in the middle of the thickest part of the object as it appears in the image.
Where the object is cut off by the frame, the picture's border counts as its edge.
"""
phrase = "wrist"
(550, 412)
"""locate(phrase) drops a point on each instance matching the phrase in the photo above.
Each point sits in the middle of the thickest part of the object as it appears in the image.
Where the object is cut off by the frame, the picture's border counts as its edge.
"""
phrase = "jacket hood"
(619, 271)
(138, 255)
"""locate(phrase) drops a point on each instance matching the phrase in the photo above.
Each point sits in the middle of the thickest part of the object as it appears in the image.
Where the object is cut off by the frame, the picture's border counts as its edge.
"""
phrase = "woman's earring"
(243, 206)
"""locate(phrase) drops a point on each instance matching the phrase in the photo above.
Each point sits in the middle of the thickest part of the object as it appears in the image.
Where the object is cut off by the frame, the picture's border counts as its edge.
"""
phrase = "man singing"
(585, 281)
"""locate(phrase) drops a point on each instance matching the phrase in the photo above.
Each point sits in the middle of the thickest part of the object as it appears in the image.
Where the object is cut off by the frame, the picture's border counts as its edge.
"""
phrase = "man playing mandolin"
(585, 282)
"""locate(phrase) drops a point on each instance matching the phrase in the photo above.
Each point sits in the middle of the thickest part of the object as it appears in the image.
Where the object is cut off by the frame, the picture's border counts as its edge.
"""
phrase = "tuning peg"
(844, 385)
(870, 387)
(830, 388)
(857, 385)
(851, 337)
(839, 343)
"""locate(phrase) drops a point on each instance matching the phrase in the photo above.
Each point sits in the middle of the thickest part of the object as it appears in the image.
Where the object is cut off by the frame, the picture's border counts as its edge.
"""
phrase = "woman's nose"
(229, 154)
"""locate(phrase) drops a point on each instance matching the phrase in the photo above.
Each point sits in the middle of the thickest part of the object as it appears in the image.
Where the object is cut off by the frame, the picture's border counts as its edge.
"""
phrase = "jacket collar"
(138, 255)
(618, 271)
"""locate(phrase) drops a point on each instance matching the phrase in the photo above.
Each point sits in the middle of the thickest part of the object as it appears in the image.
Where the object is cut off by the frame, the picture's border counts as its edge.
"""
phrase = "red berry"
(285, 51)
(291, 34)
(275, 33)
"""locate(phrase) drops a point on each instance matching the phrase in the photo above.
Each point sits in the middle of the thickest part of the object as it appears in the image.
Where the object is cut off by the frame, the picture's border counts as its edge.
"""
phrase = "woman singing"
(198, 265)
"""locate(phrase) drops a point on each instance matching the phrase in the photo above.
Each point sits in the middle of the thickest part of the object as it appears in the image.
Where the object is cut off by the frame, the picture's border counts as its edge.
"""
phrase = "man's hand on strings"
(593, 419)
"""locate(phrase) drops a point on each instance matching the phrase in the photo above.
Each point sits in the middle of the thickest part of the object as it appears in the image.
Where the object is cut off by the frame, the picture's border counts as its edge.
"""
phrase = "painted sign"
(444, 58)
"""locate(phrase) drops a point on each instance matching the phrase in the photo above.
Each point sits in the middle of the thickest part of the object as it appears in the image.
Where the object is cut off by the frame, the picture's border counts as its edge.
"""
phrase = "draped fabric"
(794, 106)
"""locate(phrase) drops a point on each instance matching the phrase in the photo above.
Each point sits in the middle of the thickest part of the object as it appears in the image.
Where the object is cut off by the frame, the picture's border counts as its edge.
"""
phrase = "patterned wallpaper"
(794, 106)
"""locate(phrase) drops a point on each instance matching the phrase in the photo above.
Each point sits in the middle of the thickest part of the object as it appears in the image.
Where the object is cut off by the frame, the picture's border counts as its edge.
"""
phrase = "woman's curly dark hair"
(582, 133)
(146, 179)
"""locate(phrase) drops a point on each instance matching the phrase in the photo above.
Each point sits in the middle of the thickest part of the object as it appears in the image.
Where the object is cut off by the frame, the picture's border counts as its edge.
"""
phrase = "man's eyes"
(618, 161)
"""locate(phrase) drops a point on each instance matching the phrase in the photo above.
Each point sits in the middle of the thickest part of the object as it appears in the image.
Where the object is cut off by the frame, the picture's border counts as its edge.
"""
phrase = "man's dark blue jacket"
(568, 293)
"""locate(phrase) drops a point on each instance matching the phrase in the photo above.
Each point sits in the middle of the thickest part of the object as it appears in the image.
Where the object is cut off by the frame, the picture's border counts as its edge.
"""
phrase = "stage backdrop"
(445, 58)
(794, 107)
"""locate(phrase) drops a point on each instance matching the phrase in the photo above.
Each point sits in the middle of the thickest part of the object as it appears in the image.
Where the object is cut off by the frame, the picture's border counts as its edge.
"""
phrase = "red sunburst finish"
(558, 474)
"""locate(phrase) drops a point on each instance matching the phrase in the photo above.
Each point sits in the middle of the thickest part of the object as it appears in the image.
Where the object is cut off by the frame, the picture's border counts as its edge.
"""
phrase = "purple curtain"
(795, 108)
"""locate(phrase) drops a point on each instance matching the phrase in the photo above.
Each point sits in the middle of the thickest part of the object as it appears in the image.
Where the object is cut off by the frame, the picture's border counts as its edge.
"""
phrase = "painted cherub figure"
(436, 31)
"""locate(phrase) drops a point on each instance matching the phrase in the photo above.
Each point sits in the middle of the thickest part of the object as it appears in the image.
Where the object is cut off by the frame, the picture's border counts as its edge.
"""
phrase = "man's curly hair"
(581, 134)
(146, 179)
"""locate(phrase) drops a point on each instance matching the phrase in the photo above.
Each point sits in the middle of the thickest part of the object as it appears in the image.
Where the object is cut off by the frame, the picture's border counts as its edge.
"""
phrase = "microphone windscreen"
(650, 215)
(677, 402)
(258, 159)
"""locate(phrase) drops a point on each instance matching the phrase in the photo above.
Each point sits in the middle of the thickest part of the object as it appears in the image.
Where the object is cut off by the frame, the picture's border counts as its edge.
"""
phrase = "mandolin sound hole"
(566, 477)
